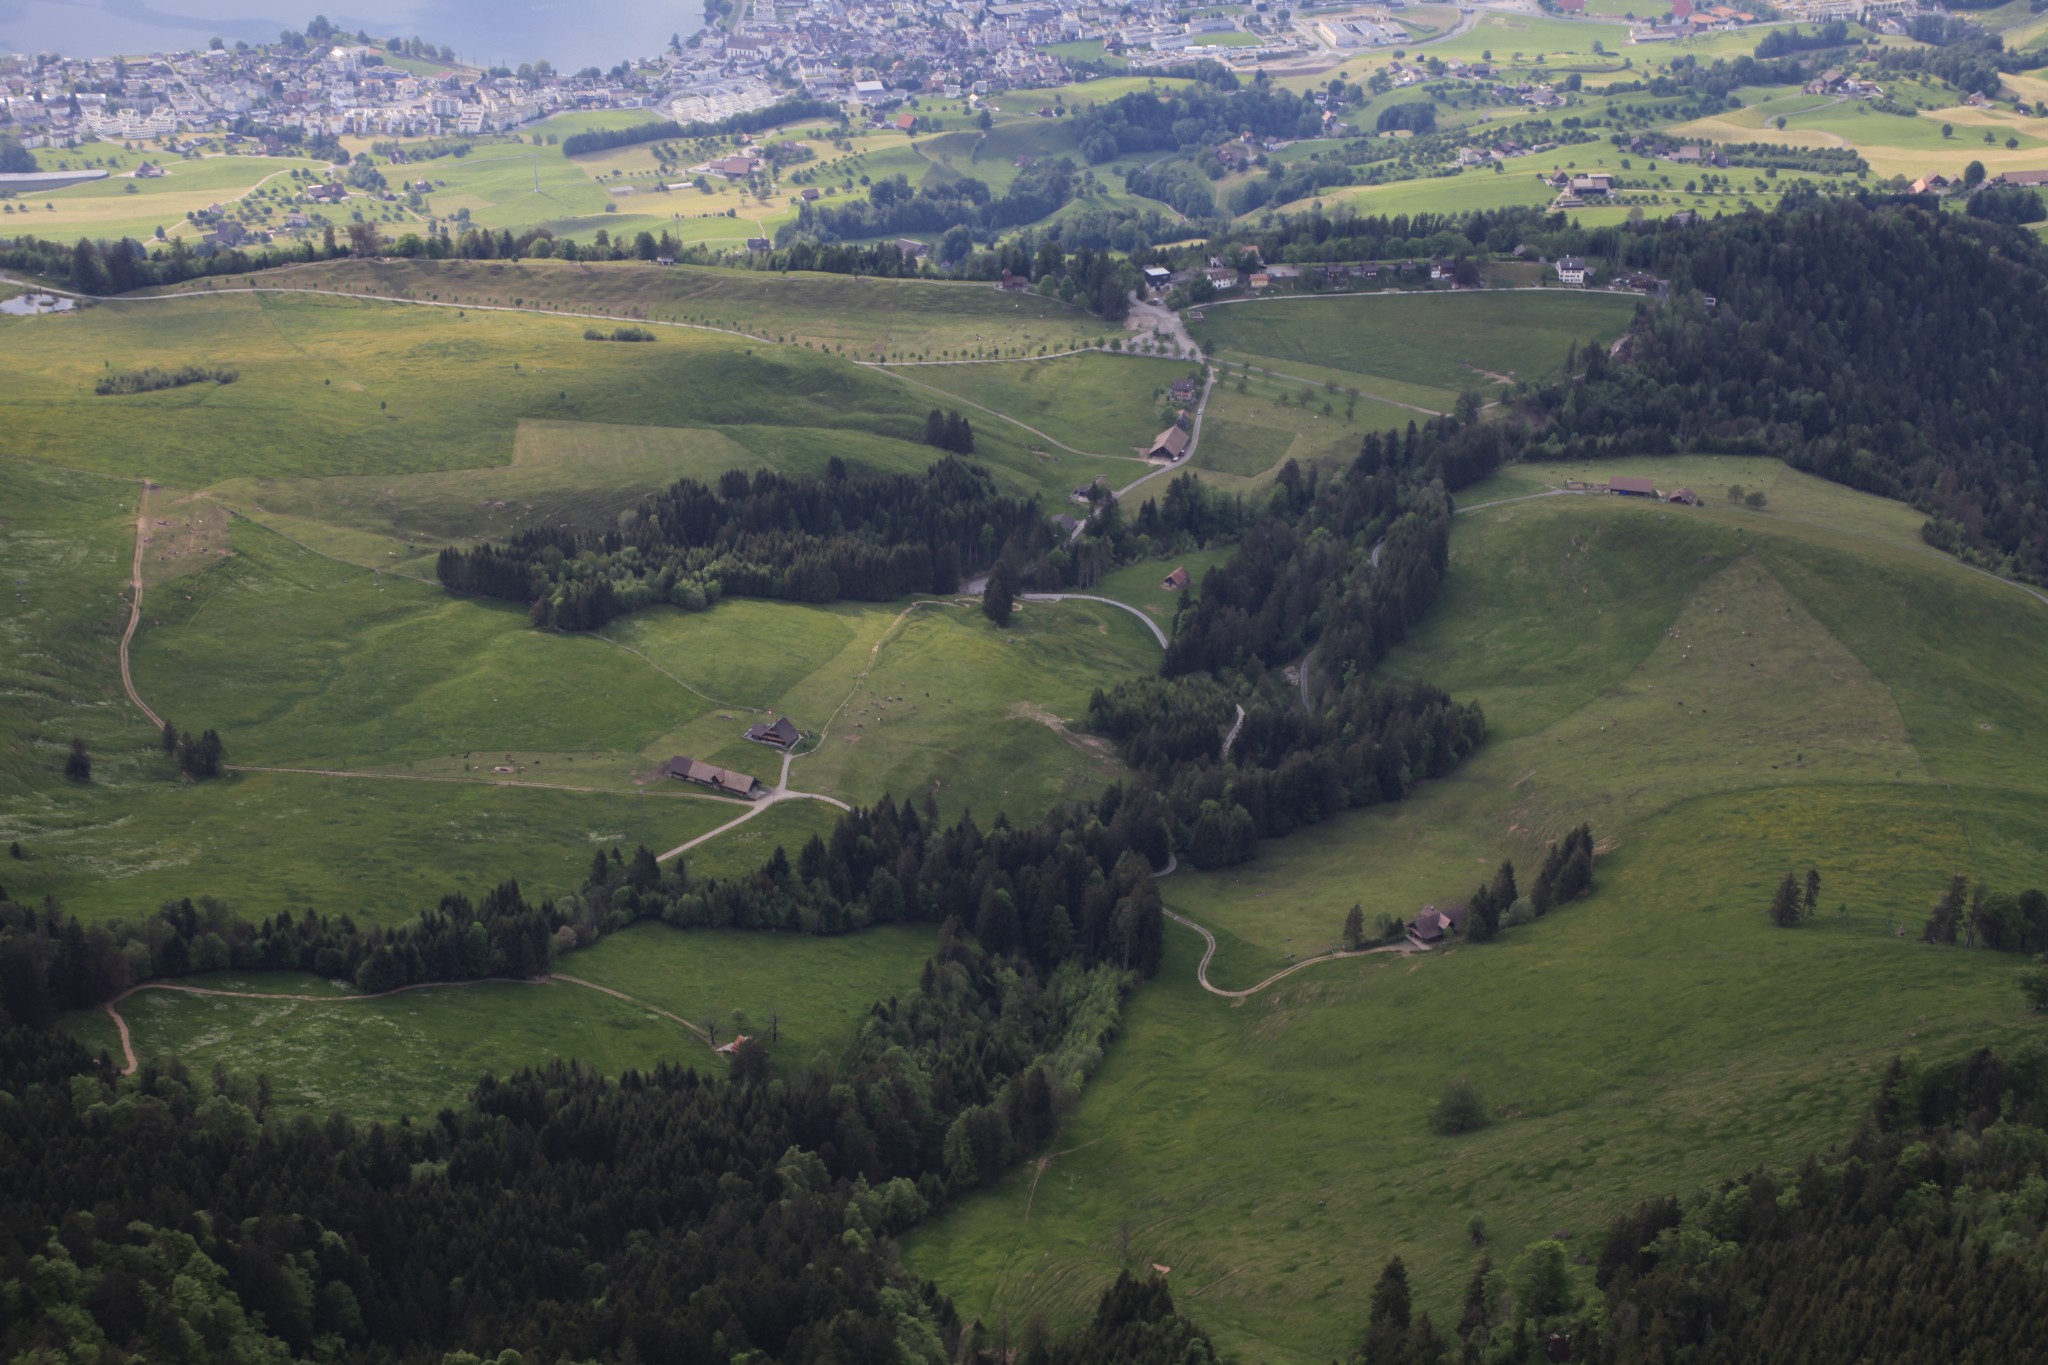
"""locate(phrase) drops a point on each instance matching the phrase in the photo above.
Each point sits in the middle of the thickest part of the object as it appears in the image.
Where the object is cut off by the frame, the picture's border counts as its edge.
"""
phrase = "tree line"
(1805, 355)
(752, 121)
(864, 536)
(150, 379)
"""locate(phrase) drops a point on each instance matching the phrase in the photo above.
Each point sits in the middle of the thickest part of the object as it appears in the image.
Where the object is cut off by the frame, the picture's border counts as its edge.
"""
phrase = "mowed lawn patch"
(1451, 341)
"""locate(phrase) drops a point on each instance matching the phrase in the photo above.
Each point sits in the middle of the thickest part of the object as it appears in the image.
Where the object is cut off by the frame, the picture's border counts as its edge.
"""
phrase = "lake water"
(482, 32)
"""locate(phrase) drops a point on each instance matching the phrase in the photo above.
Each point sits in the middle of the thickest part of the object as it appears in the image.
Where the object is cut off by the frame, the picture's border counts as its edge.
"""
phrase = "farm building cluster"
(1632, 486)
(780, 733)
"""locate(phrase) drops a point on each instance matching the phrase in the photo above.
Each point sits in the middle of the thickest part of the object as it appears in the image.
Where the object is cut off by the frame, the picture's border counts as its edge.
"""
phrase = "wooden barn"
(781, 733)
(724, 781)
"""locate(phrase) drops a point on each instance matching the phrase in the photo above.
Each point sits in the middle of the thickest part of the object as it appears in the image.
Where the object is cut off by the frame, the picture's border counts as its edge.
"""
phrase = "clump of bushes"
(151, 379)
(618, 334)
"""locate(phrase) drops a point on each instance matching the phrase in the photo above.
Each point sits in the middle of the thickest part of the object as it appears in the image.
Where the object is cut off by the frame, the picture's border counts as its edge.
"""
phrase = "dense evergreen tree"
(999, 598)
(78, 763)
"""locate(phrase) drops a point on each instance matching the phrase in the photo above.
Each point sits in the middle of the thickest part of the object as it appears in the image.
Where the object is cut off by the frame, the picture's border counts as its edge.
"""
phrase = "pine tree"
(1785, 904)
(999, 598)
(935, 429)
(170, 739)
(78, 766)
(1354, 928)
(1386, 1328)
(1504, 893)
(1812, 889)
(1947, 919)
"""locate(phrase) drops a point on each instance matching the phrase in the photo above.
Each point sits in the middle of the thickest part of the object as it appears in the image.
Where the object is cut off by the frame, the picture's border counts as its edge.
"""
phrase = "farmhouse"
(781, 733)
(1176, 580)
(1432, 926)
(1169, 445)
(1571, 270)
(911, 248)
(1684, 497)
(724, 781)
(1629, 486)
(1592, 184)
(1183, 390)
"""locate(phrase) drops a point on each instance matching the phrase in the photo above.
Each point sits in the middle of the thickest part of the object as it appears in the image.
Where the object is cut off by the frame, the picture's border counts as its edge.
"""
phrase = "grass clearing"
(1448, 341)
(1107, 404)
(812, 992)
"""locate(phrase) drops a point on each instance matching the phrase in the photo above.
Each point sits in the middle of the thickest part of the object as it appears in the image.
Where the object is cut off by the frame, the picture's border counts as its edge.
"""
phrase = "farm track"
(472, 782)
(130, 1063)
(1209, 950)
(135, 608)
(776, 797)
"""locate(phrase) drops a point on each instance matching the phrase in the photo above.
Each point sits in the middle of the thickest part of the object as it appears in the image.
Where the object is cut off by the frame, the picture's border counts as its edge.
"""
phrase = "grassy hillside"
(859, 317)
(1726, 695)
(285, 558)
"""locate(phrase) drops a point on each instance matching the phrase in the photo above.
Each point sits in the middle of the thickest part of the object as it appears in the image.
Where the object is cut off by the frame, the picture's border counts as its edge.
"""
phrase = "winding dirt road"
(135, 608)
(1209, 951)
(1150, 624)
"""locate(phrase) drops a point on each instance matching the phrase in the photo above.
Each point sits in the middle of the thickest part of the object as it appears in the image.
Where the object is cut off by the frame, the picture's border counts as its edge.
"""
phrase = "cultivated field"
(1725, 695)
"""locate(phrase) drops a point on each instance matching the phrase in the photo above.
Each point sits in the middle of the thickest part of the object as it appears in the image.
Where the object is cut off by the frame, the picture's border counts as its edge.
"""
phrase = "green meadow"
(1098, 402)
(415, 1053)
(1439, 344)
(863, 317)
(1725, 695)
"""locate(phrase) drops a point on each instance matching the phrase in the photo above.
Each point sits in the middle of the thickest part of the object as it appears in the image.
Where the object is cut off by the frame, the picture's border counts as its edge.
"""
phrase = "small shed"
(1685, 496)
(1176, 580)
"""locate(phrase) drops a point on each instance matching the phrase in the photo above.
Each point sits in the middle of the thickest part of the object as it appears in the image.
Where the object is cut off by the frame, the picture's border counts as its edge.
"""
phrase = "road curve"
(1150, 624)
(1209, 951)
